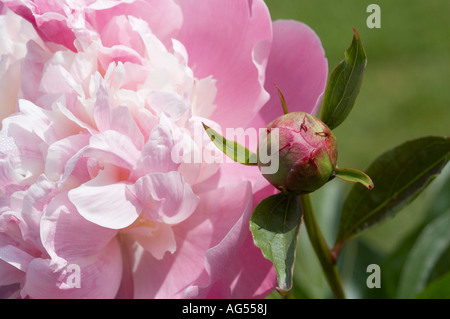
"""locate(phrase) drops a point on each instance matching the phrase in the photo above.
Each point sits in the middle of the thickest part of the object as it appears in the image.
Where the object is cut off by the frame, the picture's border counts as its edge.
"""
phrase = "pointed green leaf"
(275, 225)
(433, 241)
(232, 149)
(399, 176)
(344, 84)
(354, 176)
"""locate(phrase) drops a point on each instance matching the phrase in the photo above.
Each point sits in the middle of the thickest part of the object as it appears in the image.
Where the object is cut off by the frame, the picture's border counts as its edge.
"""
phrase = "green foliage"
(422, 258)
(344, 85)
(438, 289)
(399, 176)
(275, 224)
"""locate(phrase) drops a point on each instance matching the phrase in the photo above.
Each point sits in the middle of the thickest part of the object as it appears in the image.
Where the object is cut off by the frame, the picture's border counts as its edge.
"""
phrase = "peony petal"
(9, 275)
(37, 196)
(247, 267)
(156, 238)
(15, 257)
(297, 65)
(114, 148)
(105, 204)
(60, 152)
(96, 276)
(167, 197)
(163, 16)
(118, 119)
(218, 211)
(234, 56)
(221, 254)
(48, 18)
(159, 154)
(119, 32)
(65, 233)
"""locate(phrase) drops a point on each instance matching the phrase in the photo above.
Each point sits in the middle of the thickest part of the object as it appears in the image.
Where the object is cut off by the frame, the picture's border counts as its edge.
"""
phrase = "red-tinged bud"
(307, 153)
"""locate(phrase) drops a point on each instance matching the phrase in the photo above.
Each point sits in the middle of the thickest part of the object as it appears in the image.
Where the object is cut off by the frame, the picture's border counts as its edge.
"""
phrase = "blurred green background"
(405, 94)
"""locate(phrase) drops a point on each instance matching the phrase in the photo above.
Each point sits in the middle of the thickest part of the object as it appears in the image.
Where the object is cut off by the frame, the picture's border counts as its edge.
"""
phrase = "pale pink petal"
(9, 86)
(247, 268)
(297, 65)
(32, 69)
(15, 257)
(33, 203)
(118, 119)
(230, 41)
(106, 204)
(168, 103)
(158, 154)
(114, 148)
(116, 54)
(99, 276)
(48, 18)
(59, 153)
(163, 16)
(221, 256)
(9, 275)
(118, 31)
(65, 233)
(155, 237)
(167, 197)
(219, 212)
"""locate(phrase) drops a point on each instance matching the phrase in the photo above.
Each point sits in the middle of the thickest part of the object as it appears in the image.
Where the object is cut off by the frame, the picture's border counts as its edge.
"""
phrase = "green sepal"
(232, 149)
(354, 176)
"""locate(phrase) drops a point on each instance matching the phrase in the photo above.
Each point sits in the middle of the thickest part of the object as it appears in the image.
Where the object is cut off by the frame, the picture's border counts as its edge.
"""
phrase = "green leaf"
(399, 175)
(433, 241)
(344, 84)
(275, 225)
(232, 149)
(354, 176)
(438, 289)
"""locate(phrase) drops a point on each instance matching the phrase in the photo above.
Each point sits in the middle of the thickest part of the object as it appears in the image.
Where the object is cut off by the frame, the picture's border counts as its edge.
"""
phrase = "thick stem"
(321, 248)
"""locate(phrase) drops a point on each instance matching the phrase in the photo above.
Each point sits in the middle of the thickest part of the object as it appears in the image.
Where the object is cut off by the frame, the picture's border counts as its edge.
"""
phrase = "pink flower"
(93, 201)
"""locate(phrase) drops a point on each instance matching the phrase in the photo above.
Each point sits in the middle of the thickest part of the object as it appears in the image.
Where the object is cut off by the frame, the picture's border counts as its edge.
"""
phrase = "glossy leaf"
(232, 149)
(344, 84)
(428, 248)
(354, 176)
(275, 225)
(399, 175)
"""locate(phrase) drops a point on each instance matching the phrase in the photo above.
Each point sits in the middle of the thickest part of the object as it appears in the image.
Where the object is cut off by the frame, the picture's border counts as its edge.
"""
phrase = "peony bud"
(307, 153)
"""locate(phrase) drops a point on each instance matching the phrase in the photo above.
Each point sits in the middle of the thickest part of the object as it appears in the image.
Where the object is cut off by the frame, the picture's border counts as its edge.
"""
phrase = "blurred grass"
(405, 94)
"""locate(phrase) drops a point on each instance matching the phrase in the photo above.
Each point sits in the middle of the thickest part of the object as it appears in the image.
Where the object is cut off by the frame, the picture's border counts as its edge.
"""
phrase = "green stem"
(321, 248)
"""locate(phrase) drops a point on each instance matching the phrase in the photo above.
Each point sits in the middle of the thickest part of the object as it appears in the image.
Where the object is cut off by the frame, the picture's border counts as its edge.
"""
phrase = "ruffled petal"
(66, 234)
(110, 205)
(163, 150)
(96, 276)
(166, 197)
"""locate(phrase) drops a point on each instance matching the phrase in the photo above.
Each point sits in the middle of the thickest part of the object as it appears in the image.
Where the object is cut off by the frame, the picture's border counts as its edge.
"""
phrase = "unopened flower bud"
(307, 153)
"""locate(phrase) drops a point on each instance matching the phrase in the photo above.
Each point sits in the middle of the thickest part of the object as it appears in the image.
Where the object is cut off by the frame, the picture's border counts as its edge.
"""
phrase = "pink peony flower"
(96, 198)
